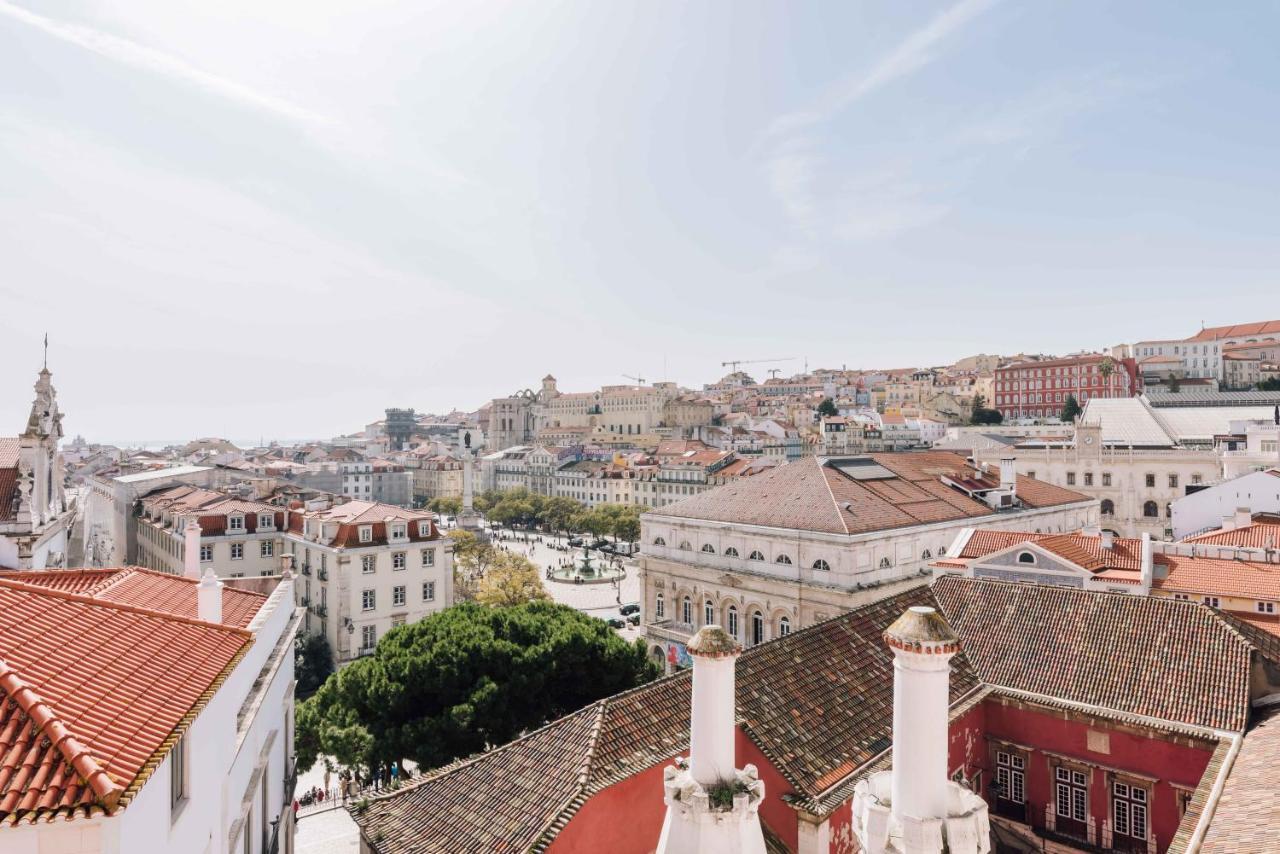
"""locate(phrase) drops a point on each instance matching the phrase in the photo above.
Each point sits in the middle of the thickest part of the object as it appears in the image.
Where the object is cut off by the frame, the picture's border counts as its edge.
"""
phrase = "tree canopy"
(511, 579)
(1070, 409)
(827, 407)
(463, 680)
(312, 663)
(982, 415)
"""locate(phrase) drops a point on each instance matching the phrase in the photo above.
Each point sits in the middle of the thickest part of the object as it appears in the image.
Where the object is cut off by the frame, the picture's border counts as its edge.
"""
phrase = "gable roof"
(824, 495)
(143, 588)
(1260, 534)
(1248, 811)
(1213, 333)
(92, 696)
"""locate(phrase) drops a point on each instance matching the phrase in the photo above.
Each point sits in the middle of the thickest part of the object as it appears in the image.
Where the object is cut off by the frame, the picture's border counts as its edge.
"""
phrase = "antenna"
(46, 351)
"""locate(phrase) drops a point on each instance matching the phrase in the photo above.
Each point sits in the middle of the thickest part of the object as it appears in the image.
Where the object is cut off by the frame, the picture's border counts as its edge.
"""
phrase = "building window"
(1211, 601)
(1266, 607)
(708, 548)
(266, 520)
(1106, 478)
(1173, 481)
(708, 613)
(1011, 777)
(178, 773)
(784, 627)
(206, 554)
(1071, 478)
(1151, 510)
(731, 552)
(733, 621)
(685, 547)
(885, 563)
(1071, 794)
(424, 529)
(368, 638)
(659, 607)
(397, 595)
(658, 541)
(822, 565)
(1088, 478)
(368, 564)
(428, 557)
(686, 611)
(1197, 479)
(399, 532)
(1151, 481)
(1129, 811)
(237, 551)
(1026, 557)
(366, 533)
(1182, 597)
(1108, 507)
(757, 628)
(397, 560)
(235, 523)
(783, 559)
(755, 556)
(428, 591)
(368, 600)
(267, 549)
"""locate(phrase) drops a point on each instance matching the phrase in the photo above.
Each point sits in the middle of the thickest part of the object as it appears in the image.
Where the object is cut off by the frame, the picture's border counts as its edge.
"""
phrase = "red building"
(1039, 389)
(1089, 721)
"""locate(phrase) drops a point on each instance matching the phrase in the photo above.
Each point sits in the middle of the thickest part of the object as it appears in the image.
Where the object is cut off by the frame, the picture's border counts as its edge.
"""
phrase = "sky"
(277, 219)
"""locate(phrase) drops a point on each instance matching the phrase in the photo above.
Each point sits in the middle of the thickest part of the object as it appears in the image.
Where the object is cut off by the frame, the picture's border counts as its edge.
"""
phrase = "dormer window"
(266, 520)
(424, 529)
(399, 532)
(366, 533)
(235, 523)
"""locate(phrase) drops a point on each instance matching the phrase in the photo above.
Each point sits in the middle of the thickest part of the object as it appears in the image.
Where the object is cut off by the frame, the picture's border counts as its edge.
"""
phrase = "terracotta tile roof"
(93, 695)
(1160, 658)
(1213, 333)
(1247, 817)
(8, 475)
(142, 588)
(813, 494)
(9, 446)
(1218, 576)
(1082, 549)
(1262, 534)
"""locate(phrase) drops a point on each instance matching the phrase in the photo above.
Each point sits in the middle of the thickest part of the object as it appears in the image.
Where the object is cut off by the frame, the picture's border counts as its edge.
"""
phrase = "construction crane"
(773, 373)
(638, 380)
(736, 362)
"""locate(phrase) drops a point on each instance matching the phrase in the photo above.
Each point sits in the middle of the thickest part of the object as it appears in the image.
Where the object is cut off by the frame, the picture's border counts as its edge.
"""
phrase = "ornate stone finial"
(713, 642)
(922, 629)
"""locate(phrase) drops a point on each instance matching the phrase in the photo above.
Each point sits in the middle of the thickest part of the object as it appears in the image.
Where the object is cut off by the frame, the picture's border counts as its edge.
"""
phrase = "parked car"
(599, 544)
(634, 619)
(575, 541)
(629, 608)
(616, 623)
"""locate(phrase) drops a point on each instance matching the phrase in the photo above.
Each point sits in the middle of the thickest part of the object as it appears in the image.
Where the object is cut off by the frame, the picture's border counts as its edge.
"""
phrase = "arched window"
(686, 611)
(1151, 510)
(822, 565)
(1026, 557)
(685, 547)
(733, 621)
(755, 556)
(926, 555)
(942, 551)
(783, 559)
(784, 627)
(1108, 507)
(757, 628)
(658, 541)
(731, 552)
(659, 607)
(885, 563)
(708, 548)
(708, 613)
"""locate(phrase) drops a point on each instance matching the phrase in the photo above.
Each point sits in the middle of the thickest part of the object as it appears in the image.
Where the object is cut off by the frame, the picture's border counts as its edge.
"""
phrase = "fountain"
(586, 571)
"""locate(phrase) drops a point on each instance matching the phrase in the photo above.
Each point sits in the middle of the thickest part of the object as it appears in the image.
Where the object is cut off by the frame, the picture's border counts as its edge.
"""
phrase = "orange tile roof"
(8, 475)
(1262, 534)
(142, 588)
(93, 694)
(1081, 549)
(1213, 333)
(1218, 577)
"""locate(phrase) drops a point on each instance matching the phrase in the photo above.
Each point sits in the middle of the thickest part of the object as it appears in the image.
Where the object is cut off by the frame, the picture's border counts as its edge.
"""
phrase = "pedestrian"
(296, 807)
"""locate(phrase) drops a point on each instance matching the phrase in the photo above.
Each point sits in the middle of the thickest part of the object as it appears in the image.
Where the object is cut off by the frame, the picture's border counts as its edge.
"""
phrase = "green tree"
(1070, 409)
(463, 680)
(982, 415)
(1269, 384)
(627, 526)
(447, 506)
(558, 513)
(511, 579)
(1175, 385)
(312, 664)
(827, 407)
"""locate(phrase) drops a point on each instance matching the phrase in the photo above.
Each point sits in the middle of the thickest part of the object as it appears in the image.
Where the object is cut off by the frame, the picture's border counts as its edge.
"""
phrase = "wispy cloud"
(149, 59)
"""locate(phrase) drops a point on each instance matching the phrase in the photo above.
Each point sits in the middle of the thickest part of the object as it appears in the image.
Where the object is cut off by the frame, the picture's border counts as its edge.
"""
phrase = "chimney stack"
(209, 598)
(1009, 475)
(1148, 563)
(191, 550)
(1244, 518)
(1108, 539)
(713, 724)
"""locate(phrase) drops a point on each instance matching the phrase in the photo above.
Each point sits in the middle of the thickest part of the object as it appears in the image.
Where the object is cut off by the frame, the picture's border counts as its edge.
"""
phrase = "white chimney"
(191, 550)
(1243, 517)
(1009, 474)
(209, 598)
(1228, 523)
(713, 725)
(1108, 539)
(1148, 563)
(915, 808)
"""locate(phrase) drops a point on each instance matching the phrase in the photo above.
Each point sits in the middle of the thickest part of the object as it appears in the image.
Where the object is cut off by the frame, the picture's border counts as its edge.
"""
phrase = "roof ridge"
(823, 468)
(46, 721)
(24, 587)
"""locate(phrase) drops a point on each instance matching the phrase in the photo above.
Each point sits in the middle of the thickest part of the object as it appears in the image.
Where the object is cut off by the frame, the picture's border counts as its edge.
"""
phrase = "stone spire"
(712, 806)
(914, 808)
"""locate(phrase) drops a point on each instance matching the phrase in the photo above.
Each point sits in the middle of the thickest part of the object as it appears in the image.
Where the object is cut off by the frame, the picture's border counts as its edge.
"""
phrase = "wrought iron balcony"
(322, 574)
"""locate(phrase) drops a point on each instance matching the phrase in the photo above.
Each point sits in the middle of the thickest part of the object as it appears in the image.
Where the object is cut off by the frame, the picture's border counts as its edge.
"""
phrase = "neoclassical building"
(35, 515)
(797, 545)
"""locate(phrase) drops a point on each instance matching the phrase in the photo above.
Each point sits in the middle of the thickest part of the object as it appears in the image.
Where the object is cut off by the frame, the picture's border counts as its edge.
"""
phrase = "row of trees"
(524, 509)
(491, 576)
(464, 680)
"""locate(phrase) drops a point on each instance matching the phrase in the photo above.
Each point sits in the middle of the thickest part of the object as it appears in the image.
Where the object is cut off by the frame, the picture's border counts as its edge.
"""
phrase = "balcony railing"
(306, 569)
(320, 611)
(322, 574)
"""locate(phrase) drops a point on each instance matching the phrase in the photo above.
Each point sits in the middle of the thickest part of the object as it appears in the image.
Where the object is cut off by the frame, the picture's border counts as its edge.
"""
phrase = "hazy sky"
(248, 218)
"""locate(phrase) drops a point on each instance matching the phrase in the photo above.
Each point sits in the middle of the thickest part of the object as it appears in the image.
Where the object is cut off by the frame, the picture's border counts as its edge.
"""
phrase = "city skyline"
(247, 216)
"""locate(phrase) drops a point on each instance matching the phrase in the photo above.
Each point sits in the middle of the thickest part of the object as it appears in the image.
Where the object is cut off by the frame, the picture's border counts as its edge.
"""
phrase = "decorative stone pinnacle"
(713, 642)
(922, 629)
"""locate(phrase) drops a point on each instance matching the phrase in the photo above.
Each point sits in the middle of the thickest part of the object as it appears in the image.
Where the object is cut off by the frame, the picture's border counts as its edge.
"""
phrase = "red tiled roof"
(9, 447)
(1247, 814)
(1082, 549)
(142, 588)
(1262, 534)
(92, 696)
(1218, 576)
(1214, 333)
(812, 495)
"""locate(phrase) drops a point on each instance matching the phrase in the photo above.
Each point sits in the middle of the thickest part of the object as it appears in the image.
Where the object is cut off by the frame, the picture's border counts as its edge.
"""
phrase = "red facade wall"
(625, 818)
(1165, 761)
(780, 818)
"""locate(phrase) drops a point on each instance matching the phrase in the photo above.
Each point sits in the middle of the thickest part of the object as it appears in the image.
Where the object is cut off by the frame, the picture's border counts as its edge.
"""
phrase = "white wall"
(1259, 492)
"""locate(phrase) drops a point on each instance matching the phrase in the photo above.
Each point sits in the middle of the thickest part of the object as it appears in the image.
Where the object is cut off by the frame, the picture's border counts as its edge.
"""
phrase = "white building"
(189, 743)
(806, 541)
(1201, 354)
(35, 515)
(1208, 509)
(239, 538)
(109, 533)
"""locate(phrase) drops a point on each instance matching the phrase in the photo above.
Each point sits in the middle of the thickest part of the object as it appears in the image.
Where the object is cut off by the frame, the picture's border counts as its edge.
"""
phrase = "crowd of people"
(349, 786)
